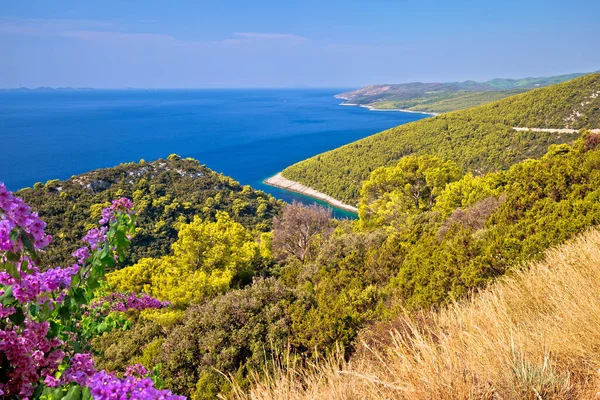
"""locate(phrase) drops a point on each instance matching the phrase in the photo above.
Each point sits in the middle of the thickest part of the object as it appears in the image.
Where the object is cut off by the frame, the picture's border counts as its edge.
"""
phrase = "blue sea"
(247, 134)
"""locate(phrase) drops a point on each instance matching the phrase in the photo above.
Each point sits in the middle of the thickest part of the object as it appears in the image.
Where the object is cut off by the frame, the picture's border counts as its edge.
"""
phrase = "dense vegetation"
(532, 336)
(480, 139)
(252, 286)
(477, 227)
(443, 97)
(426, 234)
(167, 193)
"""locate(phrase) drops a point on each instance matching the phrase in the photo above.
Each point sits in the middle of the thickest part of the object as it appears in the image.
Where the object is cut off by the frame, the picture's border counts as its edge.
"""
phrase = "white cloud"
(103, 30)
(268, 36)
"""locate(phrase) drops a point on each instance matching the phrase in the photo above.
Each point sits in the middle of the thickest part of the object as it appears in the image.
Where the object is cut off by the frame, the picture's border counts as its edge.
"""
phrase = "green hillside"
(440, 102)
(167, 193)
(446, 96)
(480, 139)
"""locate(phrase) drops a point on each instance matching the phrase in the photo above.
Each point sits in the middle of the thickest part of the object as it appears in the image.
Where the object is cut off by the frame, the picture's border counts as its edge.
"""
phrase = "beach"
(292, 186)
(384, 109)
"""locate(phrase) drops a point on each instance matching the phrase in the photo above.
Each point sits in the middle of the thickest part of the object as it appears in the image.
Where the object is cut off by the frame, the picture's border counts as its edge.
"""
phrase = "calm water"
(247, 134)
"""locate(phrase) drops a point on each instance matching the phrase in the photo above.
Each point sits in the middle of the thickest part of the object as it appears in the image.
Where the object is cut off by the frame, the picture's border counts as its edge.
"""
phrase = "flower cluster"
(105, 385)
(40, 312)
(30, 354)
(82, 367)
(122, 205)
(95, 237)
(17, 214)
(122, 302)
(38, 285)
(136, 370)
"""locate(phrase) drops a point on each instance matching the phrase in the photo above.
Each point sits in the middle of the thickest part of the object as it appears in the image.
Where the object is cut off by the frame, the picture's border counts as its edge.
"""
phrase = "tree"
(409, 188)
(208, 258)
(298, 230)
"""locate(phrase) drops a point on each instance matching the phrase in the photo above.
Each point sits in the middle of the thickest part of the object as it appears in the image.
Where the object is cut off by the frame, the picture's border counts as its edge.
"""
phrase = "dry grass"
(535, 335)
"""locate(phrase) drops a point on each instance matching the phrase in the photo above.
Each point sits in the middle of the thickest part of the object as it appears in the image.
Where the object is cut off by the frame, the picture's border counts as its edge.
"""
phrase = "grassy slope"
(533, 335)
(448, 101)
(480, 139)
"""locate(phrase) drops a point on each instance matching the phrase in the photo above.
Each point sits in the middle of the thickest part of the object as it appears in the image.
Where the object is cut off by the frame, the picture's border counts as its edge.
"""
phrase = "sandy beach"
(284, 183)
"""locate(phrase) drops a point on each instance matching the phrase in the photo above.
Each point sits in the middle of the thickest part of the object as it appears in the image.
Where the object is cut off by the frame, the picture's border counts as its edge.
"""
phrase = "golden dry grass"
(533, 335)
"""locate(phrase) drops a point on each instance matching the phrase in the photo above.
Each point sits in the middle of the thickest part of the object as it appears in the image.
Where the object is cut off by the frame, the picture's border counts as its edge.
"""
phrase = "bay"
(248, 134)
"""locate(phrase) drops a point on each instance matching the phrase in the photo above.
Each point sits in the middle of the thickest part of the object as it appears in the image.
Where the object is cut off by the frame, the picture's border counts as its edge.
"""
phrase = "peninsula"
(440, 97)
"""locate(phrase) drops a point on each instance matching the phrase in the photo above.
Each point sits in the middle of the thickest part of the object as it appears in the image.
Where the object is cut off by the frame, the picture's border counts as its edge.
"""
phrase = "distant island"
(442, 97)
(47, 89)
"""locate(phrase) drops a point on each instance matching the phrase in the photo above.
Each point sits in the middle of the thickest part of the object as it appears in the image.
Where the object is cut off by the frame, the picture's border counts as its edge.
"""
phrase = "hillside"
(480, 139)
(317, 283)
(443, 97)
(532, 336)
(441, 102)
(241, 289)
(167, 193)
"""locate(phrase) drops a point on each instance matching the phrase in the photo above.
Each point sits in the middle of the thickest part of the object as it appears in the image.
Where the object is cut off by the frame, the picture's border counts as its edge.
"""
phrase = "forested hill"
(479, 139)
(443, 97)
(167, 193)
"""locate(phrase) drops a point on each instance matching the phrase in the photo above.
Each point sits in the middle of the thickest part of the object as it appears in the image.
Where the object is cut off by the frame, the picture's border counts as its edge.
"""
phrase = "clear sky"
(290, 43)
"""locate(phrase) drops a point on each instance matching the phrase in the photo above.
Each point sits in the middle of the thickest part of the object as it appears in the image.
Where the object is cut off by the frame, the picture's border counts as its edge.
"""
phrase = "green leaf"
(92, 283)
(18, 317)
(75, 393)
(12, 257)
(12, 269)
(6, 295)
(102, 327)
(53, 330)
(64, 310)
(27, 242)
(79, 296)
(87, 395)
(14, 235)
(38, 391)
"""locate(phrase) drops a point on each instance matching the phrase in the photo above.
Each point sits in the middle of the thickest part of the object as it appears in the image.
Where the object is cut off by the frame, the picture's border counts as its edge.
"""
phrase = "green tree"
(409, 188)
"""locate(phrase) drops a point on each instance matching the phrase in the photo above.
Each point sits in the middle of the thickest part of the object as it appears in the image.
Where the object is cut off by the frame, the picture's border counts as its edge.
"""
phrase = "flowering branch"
(43, 350)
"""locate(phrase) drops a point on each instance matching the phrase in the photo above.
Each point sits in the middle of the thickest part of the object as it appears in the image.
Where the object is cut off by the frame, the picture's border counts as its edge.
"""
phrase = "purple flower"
(107, 216)
(136, 370)
(95, 236)
(104, 386)
(6, 227)
(15, 213)
(82, 368)
(6, 311)
(28, 349)
(122, 205)
(33, 286)
(81, 254)
(51, 381)
(125, 301)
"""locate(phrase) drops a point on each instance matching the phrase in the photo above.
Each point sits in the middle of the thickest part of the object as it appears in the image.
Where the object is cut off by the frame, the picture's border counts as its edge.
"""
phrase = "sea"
(248, 134)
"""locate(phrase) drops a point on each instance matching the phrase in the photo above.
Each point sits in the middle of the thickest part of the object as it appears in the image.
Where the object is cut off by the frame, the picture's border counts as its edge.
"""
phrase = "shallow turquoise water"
(247, 134)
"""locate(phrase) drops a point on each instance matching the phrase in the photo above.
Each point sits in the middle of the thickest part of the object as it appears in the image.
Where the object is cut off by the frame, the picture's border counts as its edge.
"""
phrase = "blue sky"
(325, 43)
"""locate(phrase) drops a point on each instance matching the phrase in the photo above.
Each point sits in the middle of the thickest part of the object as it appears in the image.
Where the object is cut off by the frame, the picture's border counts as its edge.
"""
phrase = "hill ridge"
(438, 97)
(479, 139)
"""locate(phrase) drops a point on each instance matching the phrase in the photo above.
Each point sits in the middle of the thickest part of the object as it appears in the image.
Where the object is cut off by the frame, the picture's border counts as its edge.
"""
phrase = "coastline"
(283, 183)
(371, 108)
